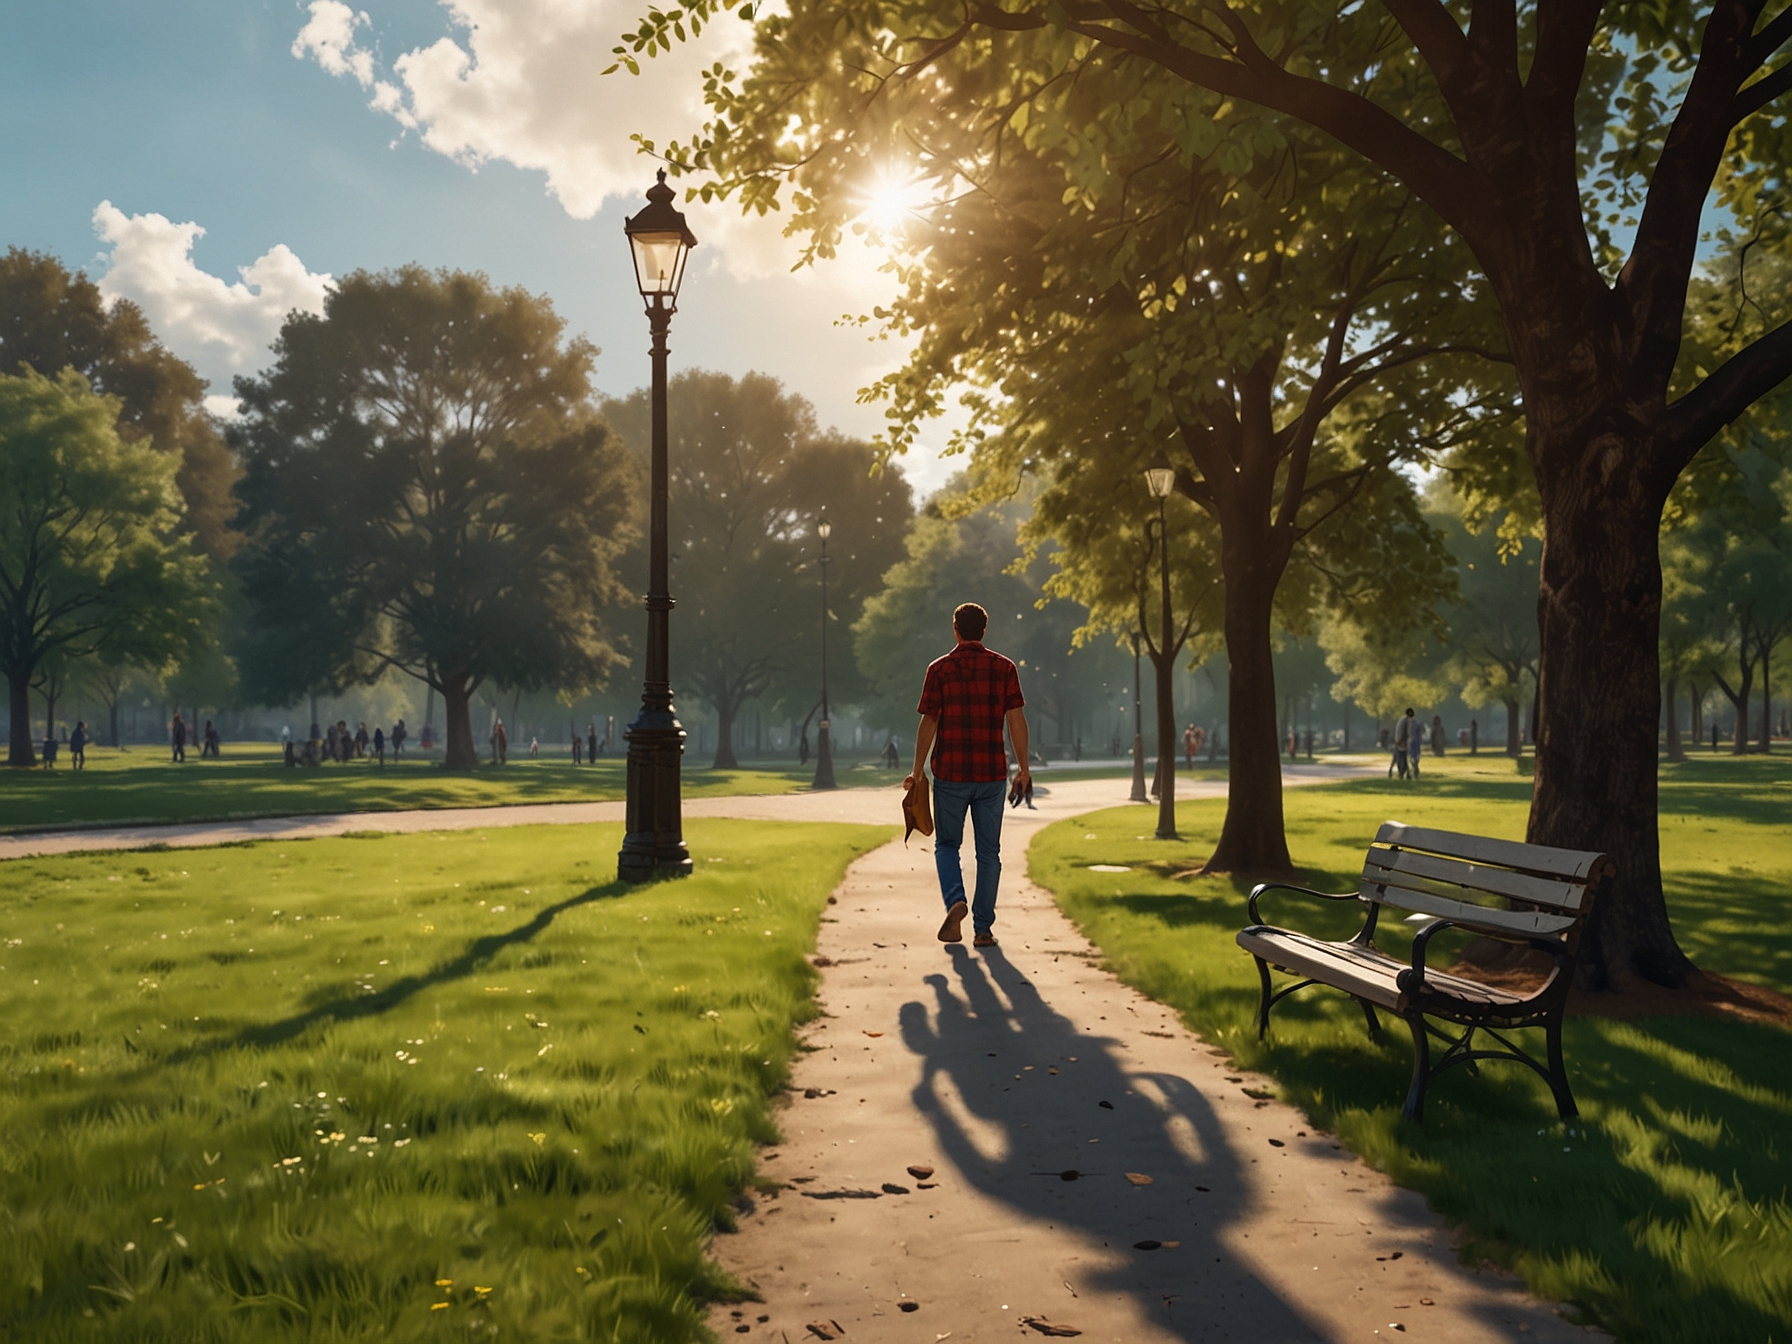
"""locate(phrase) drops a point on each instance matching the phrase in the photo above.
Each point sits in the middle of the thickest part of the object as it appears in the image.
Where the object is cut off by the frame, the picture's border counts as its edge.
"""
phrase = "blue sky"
(473, 134)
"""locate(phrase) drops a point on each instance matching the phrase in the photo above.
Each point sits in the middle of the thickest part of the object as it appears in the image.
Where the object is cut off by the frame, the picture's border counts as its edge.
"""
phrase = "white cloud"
(221, 329)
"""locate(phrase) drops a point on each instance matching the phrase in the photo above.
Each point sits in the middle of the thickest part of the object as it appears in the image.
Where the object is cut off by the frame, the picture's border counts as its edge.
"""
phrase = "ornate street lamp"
(824, 754)
(654, 845)
(1138, 729)
(1160, 479)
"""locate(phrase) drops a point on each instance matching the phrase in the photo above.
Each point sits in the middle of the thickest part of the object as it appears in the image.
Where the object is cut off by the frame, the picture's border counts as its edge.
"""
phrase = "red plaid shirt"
(970, 692)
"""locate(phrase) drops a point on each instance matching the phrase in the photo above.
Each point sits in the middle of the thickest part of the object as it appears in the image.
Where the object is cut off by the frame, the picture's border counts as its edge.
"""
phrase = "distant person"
(534, 747)
(1191, 743)
(77, 746)
(591, 741)
(1415, 741)
(503, 744)
(362, 740)
(178, 733)
(50, 746)
(330, 744)
(208, 745)
(429, 736)
(1402, 728)
(1474, 737)
(345, 741)
(967, 699)
(398, 737)
(379, 745)
(576, 748)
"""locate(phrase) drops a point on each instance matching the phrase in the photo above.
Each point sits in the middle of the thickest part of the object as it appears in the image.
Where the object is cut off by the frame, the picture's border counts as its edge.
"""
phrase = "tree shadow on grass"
(344, 1008)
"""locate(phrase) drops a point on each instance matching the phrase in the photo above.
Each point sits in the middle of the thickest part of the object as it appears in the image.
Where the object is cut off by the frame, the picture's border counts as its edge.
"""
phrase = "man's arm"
(1017, 733)
(924, 735)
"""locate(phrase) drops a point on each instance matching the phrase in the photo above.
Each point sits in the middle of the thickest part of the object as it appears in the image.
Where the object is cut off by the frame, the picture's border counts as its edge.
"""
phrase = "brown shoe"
(984, 939)
(949, 931)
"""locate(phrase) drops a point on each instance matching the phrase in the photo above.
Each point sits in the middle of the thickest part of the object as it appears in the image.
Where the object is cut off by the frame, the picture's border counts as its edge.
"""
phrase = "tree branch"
(1737, 384)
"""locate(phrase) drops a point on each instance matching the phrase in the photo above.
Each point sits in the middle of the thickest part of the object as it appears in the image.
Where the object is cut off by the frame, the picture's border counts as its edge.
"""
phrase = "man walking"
(967, 699)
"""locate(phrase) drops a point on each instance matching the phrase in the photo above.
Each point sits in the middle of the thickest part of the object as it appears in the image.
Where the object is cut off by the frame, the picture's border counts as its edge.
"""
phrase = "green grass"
(392, 1088)
(141, 785)
(1662, 1214)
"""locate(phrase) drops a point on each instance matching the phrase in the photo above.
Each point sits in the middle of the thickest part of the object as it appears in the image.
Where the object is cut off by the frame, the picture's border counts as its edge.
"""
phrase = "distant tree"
(89, 552)
(53, 319)
(1492, 627)
(428, 486)
(751, 476)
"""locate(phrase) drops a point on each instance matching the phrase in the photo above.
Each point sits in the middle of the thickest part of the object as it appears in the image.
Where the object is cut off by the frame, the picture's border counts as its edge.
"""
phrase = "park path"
(874, 805)
(992, 1067)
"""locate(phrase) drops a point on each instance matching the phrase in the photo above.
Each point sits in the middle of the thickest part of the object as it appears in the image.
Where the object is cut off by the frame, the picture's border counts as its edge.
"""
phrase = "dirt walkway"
(875, 805)
(999, 1069)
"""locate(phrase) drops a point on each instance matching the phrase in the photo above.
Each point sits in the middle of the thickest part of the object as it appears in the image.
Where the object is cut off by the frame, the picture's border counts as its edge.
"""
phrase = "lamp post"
(824, 750)
(1138, 729)
(1160, 479)
(654, 844)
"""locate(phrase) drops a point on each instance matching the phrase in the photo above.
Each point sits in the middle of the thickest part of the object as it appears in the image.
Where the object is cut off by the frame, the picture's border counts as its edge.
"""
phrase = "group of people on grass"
(209, 740)
(587, 749)
(340, 745)
(1409, 743)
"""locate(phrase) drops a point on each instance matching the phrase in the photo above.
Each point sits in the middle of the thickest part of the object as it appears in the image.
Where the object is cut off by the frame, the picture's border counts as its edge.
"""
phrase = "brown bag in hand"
(917, 810)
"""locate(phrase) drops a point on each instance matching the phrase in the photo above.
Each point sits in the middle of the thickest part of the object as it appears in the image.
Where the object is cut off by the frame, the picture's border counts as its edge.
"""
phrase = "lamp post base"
(1138, 769)
(824, 760)
(654, 845)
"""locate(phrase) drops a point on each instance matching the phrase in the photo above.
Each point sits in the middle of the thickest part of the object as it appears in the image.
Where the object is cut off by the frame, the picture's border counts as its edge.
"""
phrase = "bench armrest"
(1261, 887)
(1413, 981)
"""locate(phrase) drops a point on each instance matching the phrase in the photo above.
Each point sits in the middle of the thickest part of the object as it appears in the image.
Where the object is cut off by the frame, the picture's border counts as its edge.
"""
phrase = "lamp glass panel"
(825, 529)
(658, 258)
(1160, 481)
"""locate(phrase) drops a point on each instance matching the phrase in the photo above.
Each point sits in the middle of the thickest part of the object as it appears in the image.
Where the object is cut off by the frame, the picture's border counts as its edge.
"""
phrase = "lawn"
(141, 785)
(1662, 1214)
(392, 1088)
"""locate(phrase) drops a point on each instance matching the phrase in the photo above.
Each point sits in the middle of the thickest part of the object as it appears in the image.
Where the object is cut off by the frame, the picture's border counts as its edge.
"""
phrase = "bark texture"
(457, 716)
(19, 749)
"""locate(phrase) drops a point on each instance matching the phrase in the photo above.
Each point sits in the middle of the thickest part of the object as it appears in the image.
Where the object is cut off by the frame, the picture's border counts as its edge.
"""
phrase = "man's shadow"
(1013, 1137)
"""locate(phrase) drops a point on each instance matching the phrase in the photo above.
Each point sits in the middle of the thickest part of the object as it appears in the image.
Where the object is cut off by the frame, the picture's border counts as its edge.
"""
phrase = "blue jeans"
(983, 801)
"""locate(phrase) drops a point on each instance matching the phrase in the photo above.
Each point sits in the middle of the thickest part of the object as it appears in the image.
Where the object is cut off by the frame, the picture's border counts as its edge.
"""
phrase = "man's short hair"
(970, 620)
(1409, 711)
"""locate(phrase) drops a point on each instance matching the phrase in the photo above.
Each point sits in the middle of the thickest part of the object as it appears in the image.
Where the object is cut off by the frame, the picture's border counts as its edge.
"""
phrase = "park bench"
(1531, 895)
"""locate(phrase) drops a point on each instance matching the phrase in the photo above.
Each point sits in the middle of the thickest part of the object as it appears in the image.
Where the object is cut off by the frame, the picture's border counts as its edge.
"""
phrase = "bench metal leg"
(1268, 998)
(1421, 1069)
(1558, 1072)
(1374, 1021)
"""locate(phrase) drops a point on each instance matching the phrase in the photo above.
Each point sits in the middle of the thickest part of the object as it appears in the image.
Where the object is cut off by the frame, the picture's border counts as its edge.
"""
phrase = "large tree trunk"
(725, 758)
(1739, 699)
(1766, 695)
(1671, 694)
(457, 715)
(1598, 702)
(1695, 710)
(19, 750)
(1251, 838)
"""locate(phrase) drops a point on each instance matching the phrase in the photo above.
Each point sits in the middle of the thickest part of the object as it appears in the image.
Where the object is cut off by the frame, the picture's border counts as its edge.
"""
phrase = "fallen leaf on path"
(1105, 1105)
(874, 1033)
(908, 1306)
(1146, 1245)
(1138, 1178)
(1426, 1302)
(920, 1171)
(843, 1194)
(891, 1188)
(1171, 1245)
(825, 1329)
(1046, 1327)
(1277, 1143)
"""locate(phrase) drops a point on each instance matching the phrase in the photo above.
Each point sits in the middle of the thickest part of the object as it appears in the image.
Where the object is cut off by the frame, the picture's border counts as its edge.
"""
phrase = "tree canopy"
(90, 559)
(428, 486)
(52, 319)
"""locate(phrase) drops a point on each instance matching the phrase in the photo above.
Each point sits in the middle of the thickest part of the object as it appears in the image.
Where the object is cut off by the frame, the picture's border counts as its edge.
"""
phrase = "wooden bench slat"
(1479, 876)
(1362, 971)
(1525, 923)
(1572, 864)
